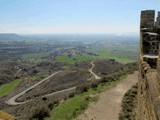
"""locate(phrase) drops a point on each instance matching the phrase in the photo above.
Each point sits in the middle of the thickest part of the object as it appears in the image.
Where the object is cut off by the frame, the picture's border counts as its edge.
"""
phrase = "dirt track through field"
(12, 101)
(91, 71)
(109, 104)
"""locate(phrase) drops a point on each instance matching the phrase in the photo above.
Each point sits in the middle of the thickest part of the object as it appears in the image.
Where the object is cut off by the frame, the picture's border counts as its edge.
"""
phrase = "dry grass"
(6, 116)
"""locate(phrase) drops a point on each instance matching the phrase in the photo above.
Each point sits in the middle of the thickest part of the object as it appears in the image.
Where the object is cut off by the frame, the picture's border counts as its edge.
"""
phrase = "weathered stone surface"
(147, 19)
(158, 21)
(149, 37)
(149, 68)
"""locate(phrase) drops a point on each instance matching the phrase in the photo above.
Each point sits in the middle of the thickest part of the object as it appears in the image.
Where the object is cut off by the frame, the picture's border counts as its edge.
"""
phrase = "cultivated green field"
(9, 87)
(101, 53)
(127, 47)
(65, 58)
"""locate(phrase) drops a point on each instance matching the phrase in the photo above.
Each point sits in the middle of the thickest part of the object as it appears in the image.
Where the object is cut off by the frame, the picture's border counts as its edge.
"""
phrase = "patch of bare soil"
(109, 104)
(106, 67)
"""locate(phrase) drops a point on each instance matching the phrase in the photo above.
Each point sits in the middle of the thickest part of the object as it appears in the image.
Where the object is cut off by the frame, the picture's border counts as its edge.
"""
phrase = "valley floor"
(109, 104)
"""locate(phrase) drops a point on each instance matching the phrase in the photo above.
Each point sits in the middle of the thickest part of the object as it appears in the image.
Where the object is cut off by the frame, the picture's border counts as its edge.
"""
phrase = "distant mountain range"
(71, 37)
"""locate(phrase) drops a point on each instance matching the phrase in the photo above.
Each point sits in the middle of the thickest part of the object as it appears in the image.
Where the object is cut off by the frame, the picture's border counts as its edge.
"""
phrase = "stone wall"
(148, 107)
(158, 61)
(158, 68)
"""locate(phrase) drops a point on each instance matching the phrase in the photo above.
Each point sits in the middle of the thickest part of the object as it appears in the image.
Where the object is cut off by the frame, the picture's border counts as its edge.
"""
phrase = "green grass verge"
(72, 107)
(69, 109)
(9, 87)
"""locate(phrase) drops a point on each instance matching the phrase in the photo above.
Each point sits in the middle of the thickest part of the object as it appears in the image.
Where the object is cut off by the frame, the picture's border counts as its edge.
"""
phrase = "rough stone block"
(147, 19)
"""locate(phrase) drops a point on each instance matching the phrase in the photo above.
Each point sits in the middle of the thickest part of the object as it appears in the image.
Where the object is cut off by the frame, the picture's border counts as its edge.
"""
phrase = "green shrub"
(128, 104)
(40, 114)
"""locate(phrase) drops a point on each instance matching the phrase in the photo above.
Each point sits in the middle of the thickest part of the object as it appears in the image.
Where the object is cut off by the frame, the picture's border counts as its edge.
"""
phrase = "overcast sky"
(72, 16)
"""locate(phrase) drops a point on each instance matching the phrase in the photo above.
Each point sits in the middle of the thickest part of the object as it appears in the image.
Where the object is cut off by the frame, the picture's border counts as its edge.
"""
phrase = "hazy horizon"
(73, 33)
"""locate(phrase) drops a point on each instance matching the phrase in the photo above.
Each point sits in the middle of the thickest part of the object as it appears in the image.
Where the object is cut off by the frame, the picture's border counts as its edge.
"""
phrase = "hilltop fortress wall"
(148, 107)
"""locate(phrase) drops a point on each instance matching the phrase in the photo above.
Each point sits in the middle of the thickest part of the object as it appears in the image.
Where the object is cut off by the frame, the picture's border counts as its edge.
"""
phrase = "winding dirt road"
(109, 104)
(12, 100)
(91, 71)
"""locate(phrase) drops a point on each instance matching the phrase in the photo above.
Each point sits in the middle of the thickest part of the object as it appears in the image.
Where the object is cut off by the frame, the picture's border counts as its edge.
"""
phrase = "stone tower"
(148, 107)
(158, 21)
(150, 34)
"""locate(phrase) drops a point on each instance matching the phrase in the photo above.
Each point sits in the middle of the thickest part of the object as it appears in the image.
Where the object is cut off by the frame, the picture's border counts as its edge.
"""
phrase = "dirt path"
(12, 100)
(109, 104)
(91, 71)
